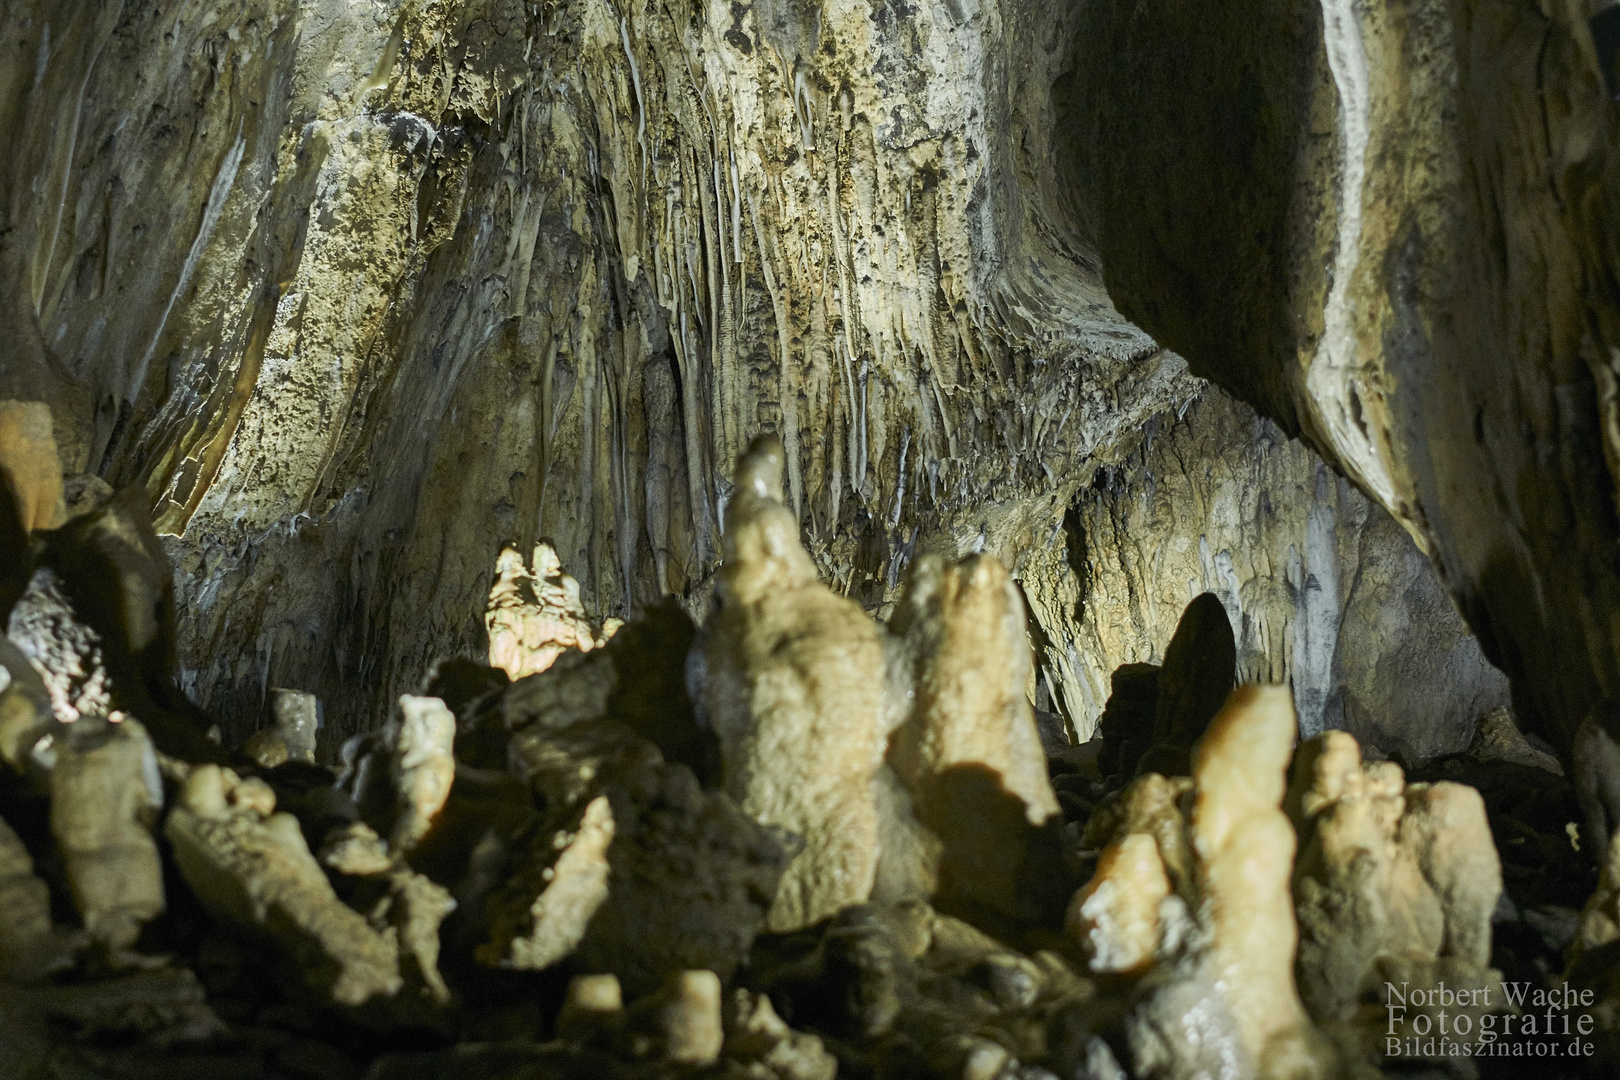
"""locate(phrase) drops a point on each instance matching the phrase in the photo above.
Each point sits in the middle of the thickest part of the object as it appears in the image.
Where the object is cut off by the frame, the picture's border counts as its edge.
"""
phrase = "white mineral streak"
(1336, 392)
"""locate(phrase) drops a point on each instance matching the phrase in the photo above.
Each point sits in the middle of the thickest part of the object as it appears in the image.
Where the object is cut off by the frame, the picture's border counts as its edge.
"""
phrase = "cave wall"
(1388, 227)
(360, 291)
(1323, 588)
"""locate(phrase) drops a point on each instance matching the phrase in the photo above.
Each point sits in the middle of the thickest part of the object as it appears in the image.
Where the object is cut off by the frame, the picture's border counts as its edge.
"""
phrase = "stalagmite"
(1116, 916)
(29, 461)
(969, 752)
(1386, 870)
(105, 796)
(254, 870)
(535, 614)
(424, 767)
(1244, 848)
(795, 677)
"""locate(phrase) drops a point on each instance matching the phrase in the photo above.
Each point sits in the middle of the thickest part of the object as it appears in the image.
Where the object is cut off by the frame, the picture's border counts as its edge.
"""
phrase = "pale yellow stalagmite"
(1387, 872)
(29, 460)
(795, 678)
(969, 627)
(105, 794)
(1116, 916)
(424, 766)
(969, 752)
(1244, 848)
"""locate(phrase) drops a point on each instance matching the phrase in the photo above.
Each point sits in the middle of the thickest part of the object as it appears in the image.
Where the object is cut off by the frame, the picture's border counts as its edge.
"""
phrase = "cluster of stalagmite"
(794, 838)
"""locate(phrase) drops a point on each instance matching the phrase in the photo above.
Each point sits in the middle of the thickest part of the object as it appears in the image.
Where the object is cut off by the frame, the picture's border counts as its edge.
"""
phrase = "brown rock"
(29, 945)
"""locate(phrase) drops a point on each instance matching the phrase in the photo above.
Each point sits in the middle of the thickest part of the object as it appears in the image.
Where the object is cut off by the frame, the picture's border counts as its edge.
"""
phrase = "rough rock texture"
(968, 753)
(633, 868)
(1116, 916)
(1405, 871)
(105, 797)
(1391, 229)
(1321, 586)
(251, 867)
(381, 287)
(534, 613)
(795, 676)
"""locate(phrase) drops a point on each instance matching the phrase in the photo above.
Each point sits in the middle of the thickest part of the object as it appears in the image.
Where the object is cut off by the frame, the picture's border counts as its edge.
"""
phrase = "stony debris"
(762, 1043)
(794, 684)
(1116, 916)
(251, 868)
(680, 1023)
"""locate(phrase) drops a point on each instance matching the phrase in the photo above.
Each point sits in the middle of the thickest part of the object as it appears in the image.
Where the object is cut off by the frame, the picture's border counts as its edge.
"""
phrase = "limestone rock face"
(1390, 231)
(1321, 586)
(291, 299)
(795, 677)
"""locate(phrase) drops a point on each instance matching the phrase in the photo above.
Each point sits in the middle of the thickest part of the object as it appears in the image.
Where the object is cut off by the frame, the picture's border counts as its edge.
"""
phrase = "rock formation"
(320, 320)
(1386, 869)
(794, 682)
(1408, 212)
(1322, 588)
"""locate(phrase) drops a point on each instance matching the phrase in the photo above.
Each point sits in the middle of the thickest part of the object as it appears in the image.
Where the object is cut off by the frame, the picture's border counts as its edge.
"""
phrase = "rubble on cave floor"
(792, 844)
